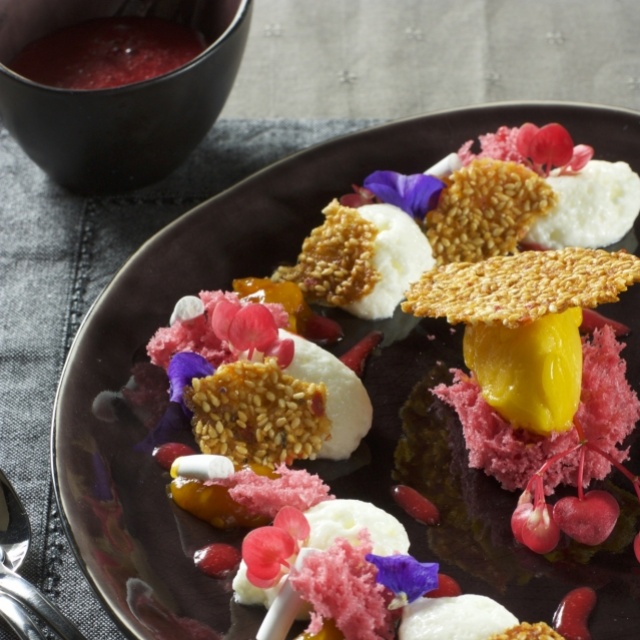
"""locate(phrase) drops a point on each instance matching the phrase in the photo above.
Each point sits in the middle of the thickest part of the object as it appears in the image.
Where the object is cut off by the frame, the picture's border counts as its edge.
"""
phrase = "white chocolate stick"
(446, 166)
(285, 608)
(202, 467)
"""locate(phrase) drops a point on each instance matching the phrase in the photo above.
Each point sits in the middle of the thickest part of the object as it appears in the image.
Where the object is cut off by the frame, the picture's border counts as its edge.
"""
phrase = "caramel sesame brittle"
(487, 208)
(515, 290)
(254, 412)
(335, 265)
(528, 631)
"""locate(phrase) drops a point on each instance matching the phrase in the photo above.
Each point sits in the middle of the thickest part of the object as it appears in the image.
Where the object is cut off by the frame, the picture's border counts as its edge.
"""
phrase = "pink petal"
(293, 521)
(265, 550)
(283, 351)
(525, 136)
(552, 145)
(260, 582)
(582, 153)
(253, 327)
(223, 314)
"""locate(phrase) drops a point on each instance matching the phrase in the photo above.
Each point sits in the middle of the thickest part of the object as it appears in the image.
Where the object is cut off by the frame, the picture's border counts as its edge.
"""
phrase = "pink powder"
(266, 496)
(608, 412)
(197, 336)
(500, 145)
(341, 585)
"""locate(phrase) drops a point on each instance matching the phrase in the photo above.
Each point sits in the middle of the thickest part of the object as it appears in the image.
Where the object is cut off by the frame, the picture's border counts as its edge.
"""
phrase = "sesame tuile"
(487, 208)
(528, 631)
(516, 290)
(335, 265)
(253, 412)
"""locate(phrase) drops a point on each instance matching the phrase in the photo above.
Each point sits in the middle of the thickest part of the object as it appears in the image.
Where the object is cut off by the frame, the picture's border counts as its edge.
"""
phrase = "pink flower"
(551, 146)
(269, 552)
(250, 327)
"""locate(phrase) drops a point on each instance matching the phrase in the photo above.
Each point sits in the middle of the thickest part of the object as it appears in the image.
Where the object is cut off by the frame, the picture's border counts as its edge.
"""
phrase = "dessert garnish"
(540, 148)
(521, 363)
(347, 586)
(572, 615)
(516, 290)
(551, 146)
(209, 323)
(415, 194)
(407, 578)
(255, 412)
(361, 259)
(528, 631)
(465, 616)
(334, 265)
(419, 507)
(596, 201)
(486, 209)
(246, 496)
(217, 560)
(253, 391)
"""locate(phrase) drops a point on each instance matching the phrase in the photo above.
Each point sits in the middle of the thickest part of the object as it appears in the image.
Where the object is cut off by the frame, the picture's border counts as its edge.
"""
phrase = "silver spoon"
(15, 535)
(18, 620)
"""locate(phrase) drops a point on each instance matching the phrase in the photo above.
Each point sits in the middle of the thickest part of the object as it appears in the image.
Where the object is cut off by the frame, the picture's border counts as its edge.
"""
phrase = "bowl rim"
(239, 17)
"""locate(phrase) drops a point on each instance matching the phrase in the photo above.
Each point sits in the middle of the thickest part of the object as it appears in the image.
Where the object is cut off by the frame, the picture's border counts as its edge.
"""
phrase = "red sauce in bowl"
(108, 52)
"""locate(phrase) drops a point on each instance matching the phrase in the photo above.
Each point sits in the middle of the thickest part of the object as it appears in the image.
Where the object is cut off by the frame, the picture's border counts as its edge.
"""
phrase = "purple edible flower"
(415, 194)
(182, 369)
(405, 576)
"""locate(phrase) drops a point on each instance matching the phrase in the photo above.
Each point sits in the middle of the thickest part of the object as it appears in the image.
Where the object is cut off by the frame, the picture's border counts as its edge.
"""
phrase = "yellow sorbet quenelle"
(531, 375)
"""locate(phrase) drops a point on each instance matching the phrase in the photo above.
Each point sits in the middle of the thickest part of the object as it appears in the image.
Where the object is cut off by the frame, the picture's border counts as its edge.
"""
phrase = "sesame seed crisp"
(516, 290)
(486, 209)
(253, 412)
(335, 264)
(528, 631)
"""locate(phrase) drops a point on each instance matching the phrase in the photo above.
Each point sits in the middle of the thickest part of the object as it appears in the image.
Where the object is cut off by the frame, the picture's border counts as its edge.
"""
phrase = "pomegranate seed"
(592, 320)
(217, 560)
(166, 454)
(415, 504)
(447, 588)
(356, 357)
(322, 330)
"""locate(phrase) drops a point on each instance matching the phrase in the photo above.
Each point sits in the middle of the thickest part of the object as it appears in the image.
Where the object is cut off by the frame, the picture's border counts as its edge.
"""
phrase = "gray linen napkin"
(57, 252)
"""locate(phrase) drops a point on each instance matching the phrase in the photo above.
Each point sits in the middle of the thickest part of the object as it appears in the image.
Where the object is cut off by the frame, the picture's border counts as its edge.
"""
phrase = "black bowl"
(114, 140)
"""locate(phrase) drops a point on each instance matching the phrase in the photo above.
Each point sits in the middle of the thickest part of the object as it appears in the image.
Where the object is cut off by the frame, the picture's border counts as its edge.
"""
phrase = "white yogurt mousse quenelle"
(595, 208)
(464, 617)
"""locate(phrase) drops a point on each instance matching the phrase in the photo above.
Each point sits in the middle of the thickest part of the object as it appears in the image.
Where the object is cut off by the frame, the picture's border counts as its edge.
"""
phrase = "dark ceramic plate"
(136, 548)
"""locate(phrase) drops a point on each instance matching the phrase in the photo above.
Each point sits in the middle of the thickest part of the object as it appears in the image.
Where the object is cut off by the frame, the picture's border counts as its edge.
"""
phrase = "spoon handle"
(18, 588)
(18, 620)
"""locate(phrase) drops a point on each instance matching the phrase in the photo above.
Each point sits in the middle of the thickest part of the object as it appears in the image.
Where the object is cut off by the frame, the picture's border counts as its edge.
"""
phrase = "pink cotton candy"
(196, 335)
(262, 495)
(500, 145)
(341, 585)
(608, 412)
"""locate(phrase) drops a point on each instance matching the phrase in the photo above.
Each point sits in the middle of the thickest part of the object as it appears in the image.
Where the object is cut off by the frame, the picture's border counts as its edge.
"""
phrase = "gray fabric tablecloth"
(381, 59)
(57, 252)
